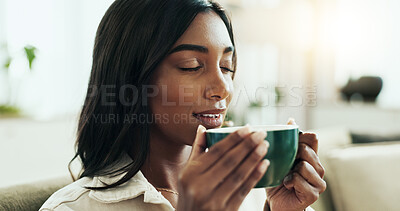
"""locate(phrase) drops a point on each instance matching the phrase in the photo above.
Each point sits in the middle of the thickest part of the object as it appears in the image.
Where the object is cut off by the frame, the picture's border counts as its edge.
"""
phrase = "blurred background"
(333, 65)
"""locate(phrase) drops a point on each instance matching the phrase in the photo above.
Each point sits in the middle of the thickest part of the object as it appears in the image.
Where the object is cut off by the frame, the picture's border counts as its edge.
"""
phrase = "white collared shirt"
(136, 194)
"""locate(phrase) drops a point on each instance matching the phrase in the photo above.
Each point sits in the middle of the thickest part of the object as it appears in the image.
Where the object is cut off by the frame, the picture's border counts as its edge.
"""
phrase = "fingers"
(219, 149)
(199, 144)
(311, 176)
(310, 139)
(231, 160)
(235, 180)
(307, 154)
(240, 194)
(305, 192)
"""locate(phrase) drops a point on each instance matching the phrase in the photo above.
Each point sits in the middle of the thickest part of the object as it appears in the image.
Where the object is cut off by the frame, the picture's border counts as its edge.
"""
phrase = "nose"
(217, 86)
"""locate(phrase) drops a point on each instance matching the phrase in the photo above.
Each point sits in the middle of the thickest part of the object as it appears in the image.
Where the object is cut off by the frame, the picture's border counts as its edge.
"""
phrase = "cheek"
(230, 89)
(175, 101)
(174, 105)
(176, 94)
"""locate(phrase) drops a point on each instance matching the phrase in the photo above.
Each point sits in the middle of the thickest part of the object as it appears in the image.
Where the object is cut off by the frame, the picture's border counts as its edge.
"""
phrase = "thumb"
(291, 121)
(199, 144)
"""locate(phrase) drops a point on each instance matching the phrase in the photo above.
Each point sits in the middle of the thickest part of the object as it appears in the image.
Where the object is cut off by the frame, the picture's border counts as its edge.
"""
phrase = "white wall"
(33, 150)
(63, 32)
(367, 42)
(319, 44)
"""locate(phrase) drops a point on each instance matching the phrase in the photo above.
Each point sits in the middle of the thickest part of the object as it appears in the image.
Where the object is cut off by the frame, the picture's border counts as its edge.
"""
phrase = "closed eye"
(198, 67)
(191, 69)
(227, 69)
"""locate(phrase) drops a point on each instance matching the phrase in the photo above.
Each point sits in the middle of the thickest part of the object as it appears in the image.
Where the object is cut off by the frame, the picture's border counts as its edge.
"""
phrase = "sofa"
(360, 177)
(29, 197)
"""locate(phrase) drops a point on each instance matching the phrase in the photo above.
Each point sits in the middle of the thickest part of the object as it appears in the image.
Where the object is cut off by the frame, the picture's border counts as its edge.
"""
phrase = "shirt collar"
(134, 187)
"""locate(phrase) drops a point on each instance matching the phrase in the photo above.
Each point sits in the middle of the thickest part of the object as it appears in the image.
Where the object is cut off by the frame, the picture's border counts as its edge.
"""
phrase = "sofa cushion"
(332, 137)
(360, 138)
(365, 176)
(30, 196)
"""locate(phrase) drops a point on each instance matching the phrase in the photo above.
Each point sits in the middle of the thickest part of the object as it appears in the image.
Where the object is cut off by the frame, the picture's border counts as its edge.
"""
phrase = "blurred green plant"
(255, 104)
(30, 54)
(9, 110)
(278, 94)
(7, 63)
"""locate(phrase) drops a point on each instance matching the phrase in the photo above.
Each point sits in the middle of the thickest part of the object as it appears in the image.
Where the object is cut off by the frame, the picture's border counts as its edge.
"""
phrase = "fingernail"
(201, 128)
(264, 165)
(259, 135)
(266, 144)
(243, 132)
(261, 149)
(287, 179)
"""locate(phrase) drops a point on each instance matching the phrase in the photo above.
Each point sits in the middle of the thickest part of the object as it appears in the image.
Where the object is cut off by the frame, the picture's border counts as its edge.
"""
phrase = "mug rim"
(253, 128)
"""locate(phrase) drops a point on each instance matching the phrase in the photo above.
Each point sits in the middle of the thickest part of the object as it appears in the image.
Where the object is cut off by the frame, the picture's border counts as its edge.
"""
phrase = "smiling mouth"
(209, 120)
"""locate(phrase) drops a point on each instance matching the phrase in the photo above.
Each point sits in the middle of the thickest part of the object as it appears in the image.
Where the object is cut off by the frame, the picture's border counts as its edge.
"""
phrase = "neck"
(165, 160)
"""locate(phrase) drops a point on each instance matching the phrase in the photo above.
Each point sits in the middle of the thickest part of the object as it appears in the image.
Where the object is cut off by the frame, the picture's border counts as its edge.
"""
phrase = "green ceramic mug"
(283, 144)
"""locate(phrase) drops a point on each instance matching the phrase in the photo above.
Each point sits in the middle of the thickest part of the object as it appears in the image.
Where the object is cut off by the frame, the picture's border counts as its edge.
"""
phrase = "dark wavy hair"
(133, 37)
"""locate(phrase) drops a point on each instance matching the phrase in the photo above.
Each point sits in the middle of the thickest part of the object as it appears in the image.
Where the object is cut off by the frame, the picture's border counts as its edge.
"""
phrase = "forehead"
(207, 29)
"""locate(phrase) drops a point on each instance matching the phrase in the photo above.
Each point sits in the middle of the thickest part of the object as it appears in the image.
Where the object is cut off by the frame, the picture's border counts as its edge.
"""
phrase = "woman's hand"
(222, 177)
(303, 185)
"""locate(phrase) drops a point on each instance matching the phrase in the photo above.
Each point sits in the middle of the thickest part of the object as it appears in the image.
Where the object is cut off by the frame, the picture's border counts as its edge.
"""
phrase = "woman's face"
(194, 82)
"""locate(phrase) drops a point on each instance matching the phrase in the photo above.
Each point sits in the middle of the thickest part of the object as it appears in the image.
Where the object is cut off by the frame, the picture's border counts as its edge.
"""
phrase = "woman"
(162, 73)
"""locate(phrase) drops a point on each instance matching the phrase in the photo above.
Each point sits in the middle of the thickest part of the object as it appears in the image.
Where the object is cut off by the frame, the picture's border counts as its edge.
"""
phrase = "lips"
(210, 118)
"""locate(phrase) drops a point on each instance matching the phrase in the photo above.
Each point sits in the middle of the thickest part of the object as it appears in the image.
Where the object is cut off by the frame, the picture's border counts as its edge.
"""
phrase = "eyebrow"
(198, 48)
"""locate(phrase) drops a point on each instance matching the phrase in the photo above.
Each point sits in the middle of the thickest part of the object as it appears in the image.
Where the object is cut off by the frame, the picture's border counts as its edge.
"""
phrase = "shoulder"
(136, 194)
(69, 193)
